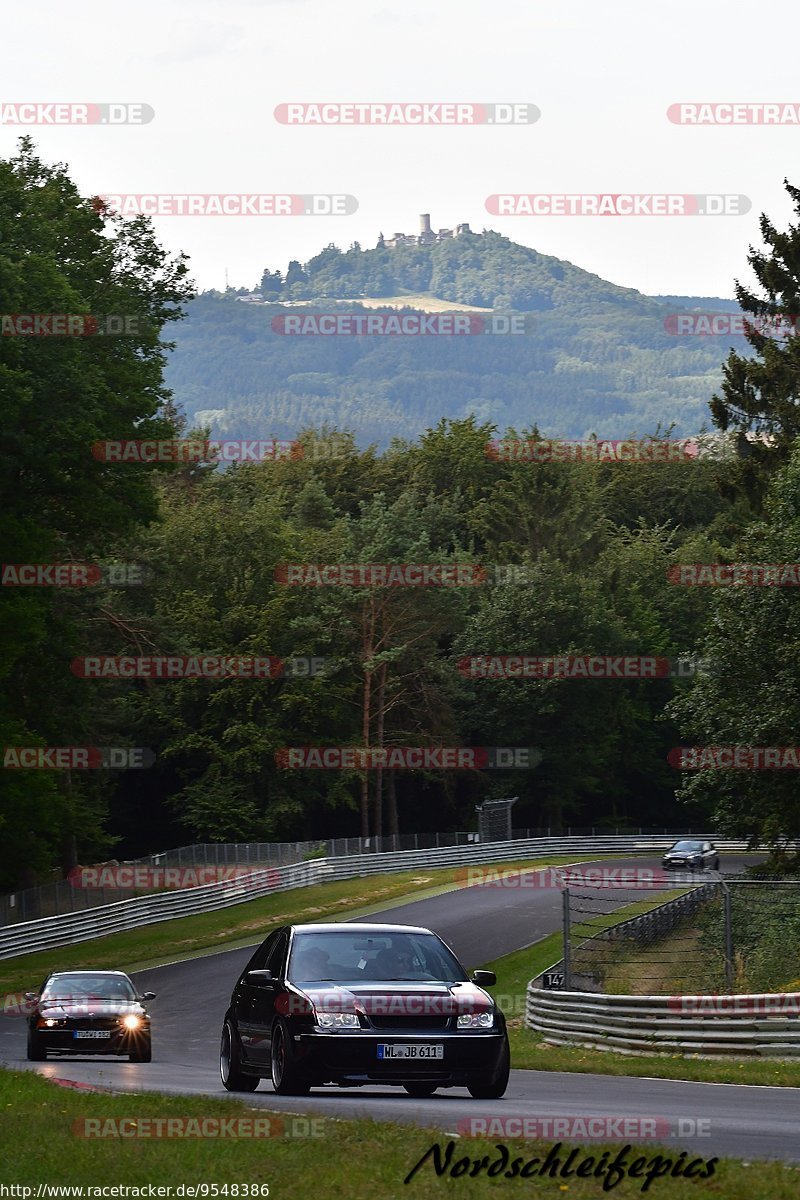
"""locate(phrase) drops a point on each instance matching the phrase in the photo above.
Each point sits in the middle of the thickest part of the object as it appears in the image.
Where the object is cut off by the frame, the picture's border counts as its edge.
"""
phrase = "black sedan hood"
(396, 998)
(60, 1009)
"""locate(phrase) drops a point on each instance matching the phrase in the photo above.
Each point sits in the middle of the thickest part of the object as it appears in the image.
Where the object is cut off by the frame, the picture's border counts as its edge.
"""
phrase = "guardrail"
(757, 1025)
(70, 928)
(58, 896)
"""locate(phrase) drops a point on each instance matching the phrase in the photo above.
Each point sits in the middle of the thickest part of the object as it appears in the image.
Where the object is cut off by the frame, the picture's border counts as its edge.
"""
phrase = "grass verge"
(531, 1052)
(362, 1160)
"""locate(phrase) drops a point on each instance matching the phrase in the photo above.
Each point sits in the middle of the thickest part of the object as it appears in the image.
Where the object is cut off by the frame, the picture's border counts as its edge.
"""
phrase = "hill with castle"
(595, 357)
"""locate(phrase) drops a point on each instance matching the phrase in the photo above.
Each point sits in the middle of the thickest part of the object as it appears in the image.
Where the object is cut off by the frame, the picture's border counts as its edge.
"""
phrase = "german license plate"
(91, 1033)
(411, 1051)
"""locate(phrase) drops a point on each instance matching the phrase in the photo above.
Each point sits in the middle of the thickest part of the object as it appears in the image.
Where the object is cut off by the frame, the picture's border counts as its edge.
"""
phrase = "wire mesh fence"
(69, 895)
(687, 935)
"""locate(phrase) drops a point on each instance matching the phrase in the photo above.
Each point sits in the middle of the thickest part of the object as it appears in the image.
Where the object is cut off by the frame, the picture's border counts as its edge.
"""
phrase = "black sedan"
(691, 855)
(95, 1012)
(354, 1004)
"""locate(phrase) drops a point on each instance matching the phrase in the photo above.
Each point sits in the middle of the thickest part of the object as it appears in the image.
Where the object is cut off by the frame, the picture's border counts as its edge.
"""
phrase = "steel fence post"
(567, 949)
(728, 937)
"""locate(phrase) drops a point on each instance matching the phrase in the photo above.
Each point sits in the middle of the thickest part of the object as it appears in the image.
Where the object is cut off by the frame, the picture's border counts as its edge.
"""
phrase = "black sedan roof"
(361, 926)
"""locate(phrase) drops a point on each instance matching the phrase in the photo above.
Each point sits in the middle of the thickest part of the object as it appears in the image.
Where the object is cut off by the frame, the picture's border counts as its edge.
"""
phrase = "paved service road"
(480, 924)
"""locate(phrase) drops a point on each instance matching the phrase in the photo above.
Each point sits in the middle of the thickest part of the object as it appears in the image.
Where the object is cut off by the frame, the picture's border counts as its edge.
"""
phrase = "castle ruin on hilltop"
(426, 235)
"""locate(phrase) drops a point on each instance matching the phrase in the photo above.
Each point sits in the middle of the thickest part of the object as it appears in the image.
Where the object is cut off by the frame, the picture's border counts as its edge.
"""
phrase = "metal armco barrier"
(58, 897)
(69, 928)
(759, 1025)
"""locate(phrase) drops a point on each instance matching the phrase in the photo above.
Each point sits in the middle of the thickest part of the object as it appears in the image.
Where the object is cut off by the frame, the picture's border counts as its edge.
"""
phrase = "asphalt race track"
(480, 924)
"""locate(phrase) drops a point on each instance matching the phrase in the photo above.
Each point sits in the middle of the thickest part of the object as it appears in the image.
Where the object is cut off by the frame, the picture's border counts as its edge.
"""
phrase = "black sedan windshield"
(86, 986)
(685, 847)
(354, 957)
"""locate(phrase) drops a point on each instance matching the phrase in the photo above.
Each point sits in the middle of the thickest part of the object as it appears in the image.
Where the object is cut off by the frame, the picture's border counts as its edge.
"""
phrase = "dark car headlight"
(481, 1020)
(339, 1020)
(50, 1023)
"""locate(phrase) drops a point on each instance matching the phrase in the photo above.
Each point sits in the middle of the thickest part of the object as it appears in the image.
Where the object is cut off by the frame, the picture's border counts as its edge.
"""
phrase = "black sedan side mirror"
(149, 996)
(30, 995)
(484, 978)
(260, 978)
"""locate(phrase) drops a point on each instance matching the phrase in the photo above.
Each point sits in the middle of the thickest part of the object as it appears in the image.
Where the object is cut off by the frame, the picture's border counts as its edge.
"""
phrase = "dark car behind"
(691, 854)
(88, 1012)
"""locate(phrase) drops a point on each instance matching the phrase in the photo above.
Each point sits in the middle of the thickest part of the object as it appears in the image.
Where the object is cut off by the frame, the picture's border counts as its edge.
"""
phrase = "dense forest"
(593, 545)
(595, 357)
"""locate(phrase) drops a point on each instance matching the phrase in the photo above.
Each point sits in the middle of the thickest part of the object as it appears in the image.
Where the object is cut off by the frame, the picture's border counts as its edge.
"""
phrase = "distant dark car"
(691, 855)
(354, 1004)
(94, 1012)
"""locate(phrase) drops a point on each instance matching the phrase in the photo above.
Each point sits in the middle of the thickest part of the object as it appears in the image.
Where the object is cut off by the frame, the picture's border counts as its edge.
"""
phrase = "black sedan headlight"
(337, 1020)
(481, 1020)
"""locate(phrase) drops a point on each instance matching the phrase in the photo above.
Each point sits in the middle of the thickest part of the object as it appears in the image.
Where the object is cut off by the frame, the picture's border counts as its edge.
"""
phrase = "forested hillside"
(597, 357)
(576, 559)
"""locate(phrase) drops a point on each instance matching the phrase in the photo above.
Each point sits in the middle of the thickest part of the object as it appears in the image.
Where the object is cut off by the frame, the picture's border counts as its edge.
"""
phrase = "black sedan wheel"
(143, 1051)
(36, 1051)
(492, 1087)
(287, 1080)
(230, 1069)
(420, 1090)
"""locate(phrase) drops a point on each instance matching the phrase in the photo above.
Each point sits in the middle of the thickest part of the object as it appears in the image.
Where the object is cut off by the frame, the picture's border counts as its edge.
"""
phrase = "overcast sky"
(602, 75)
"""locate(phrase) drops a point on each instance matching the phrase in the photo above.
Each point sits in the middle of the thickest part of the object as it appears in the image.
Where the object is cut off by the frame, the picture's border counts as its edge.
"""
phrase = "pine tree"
(760, 394)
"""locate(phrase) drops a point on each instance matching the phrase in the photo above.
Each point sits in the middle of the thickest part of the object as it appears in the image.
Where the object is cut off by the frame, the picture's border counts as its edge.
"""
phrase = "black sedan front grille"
(410, 1024)
(112, 1023)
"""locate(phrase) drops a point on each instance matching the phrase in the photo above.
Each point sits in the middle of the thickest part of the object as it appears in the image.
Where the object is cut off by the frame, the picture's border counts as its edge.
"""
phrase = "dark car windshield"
(684, 846)
(355, 957)
(85, 986)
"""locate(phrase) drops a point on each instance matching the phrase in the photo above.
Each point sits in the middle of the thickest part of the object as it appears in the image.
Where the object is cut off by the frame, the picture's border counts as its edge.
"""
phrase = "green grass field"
(42, 1143)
